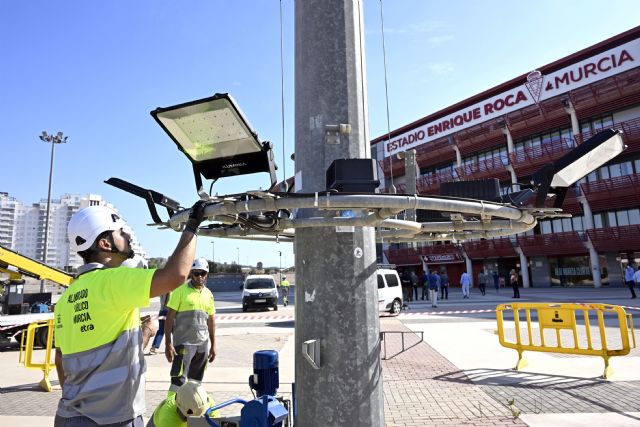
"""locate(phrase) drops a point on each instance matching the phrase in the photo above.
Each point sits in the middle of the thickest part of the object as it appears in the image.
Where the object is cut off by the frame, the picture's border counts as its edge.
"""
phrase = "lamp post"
(280, 271)
(238, 250)
(213, 255)
(53, 139)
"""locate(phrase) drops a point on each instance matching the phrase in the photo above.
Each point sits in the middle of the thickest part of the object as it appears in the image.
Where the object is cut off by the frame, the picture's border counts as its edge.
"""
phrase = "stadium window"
(634, 216)
(577, 223)
(597, 221)
(545, 227)
(626, 168)
(623, 218)
(557, 225)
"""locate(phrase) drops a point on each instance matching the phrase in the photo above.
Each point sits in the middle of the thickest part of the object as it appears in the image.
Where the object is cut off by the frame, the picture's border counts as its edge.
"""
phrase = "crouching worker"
(191, 400)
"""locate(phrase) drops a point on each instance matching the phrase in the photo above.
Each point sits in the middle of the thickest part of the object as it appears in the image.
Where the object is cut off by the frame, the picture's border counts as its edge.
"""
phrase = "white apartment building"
(22, 228)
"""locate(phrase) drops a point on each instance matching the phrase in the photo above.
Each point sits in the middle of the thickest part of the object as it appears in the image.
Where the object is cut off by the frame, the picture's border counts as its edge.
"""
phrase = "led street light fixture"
(216, 138)
(558, 175)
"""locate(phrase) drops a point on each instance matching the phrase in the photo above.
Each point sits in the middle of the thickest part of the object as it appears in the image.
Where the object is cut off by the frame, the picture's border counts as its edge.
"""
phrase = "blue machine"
(265, 410)
(265, 378)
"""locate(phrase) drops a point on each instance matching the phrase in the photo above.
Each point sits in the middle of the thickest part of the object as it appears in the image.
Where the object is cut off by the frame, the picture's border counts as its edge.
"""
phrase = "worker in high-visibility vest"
(190, 328)
(191, 400)
(99, 355)
(284, 288)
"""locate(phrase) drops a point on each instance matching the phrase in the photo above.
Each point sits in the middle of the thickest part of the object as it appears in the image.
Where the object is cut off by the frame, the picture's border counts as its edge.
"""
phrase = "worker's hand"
(196, 216)
(212, 354)
(170, 352)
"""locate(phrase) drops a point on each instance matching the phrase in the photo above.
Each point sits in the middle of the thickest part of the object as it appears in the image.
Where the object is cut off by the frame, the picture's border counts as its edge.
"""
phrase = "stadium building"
(509, 132)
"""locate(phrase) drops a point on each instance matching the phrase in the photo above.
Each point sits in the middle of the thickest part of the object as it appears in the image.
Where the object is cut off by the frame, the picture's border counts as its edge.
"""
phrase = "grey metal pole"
(337, 364)
(213, 255)
(53, 140)
(46, 220)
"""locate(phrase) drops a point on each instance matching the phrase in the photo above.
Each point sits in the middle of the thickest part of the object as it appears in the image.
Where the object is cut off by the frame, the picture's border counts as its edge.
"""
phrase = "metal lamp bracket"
(311, 352)
(332, 133)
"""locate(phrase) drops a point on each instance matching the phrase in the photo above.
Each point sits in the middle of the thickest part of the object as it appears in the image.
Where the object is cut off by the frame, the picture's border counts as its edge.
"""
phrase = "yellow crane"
(16, 266)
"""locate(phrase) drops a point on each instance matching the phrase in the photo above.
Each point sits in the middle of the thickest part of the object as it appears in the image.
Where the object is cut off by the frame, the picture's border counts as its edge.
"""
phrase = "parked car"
(389, 291)
(259, 290)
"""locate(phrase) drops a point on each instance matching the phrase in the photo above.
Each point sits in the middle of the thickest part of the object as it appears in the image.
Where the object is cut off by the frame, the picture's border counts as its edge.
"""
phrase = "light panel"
(590, 161)
(210, 128)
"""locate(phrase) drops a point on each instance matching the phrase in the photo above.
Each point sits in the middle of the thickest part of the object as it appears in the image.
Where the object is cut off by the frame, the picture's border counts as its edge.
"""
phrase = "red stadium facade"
(510, 131)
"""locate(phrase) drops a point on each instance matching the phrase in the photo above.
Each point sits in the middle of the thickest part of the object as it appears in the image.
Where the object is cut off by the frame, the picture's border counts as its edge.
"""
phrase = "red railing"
(493, 167)
(567, 243)
(446, 248)
(490, 248)
(430, 184)
(434, 153)
(616, 239)
(613, 193)
(426, 184)
(477, 144)
(538, 120)
(611, 94)
(406, 256)
(528, 160)
(398, 166)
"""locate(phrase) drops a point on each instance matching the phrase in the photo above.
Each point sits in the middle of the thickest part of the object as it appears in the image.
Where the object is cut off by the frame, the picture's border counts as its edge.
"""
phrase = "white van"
(389, 291)
(259, 290)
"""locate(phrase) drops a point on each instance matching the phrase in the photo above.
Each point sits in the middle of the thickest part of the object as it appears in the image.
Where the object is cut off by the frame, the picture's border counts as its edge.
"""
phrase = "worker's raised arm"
(178, 266)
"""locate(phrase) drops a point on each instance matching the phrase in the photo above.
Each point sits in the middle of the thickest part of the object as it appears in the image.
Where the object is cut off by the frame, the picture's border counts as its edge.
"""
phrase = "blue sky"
(95, 70)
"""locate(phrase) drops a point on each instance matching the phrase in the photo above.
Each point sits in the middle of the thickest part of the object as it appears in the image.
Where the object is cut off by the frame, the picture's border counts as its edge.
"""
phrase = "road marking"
(230, 318)
(438, 313)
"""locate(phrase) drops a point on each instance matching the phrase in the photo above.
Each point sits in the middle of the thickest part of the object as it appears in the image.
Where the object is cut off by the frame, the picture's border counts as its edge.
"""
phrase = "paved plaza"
(458, 375)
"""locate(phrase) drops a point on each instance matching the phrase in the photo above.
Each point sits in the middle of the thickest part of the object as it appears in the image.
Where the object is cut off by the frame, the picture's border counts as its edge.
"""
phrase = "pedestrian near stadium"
(99, 356)
(483, 279)
(190, 328)
(513, 279)
(444, 285)
(628, 279)
(465, 283)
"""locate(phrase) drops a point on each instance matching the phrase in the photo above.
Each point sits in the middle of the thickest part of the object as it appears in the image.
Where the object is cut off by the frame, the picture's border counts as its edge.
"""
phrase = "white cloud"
(440, 68)
(439, 39)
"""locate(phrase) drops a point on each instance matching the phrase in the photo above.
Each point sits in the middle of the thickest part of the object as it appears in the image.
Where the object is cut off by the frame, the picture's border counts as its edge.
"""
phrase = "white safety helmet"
(136, 262)
(284, 277)
(192, 399)
(200, 264)
(88, 223)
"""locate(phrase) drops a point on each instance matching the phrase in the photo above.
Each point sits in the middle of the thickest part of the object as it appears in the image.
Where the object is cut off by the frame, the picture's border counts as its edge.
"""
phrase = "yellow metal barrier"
(557, 317)
(26, 351)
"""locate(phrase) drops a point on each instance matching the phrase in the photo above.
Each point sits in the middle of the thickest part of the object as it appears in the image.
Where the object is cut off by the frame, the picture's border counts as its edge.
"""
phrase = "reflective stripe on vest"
(107, 383)
(190, 328)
